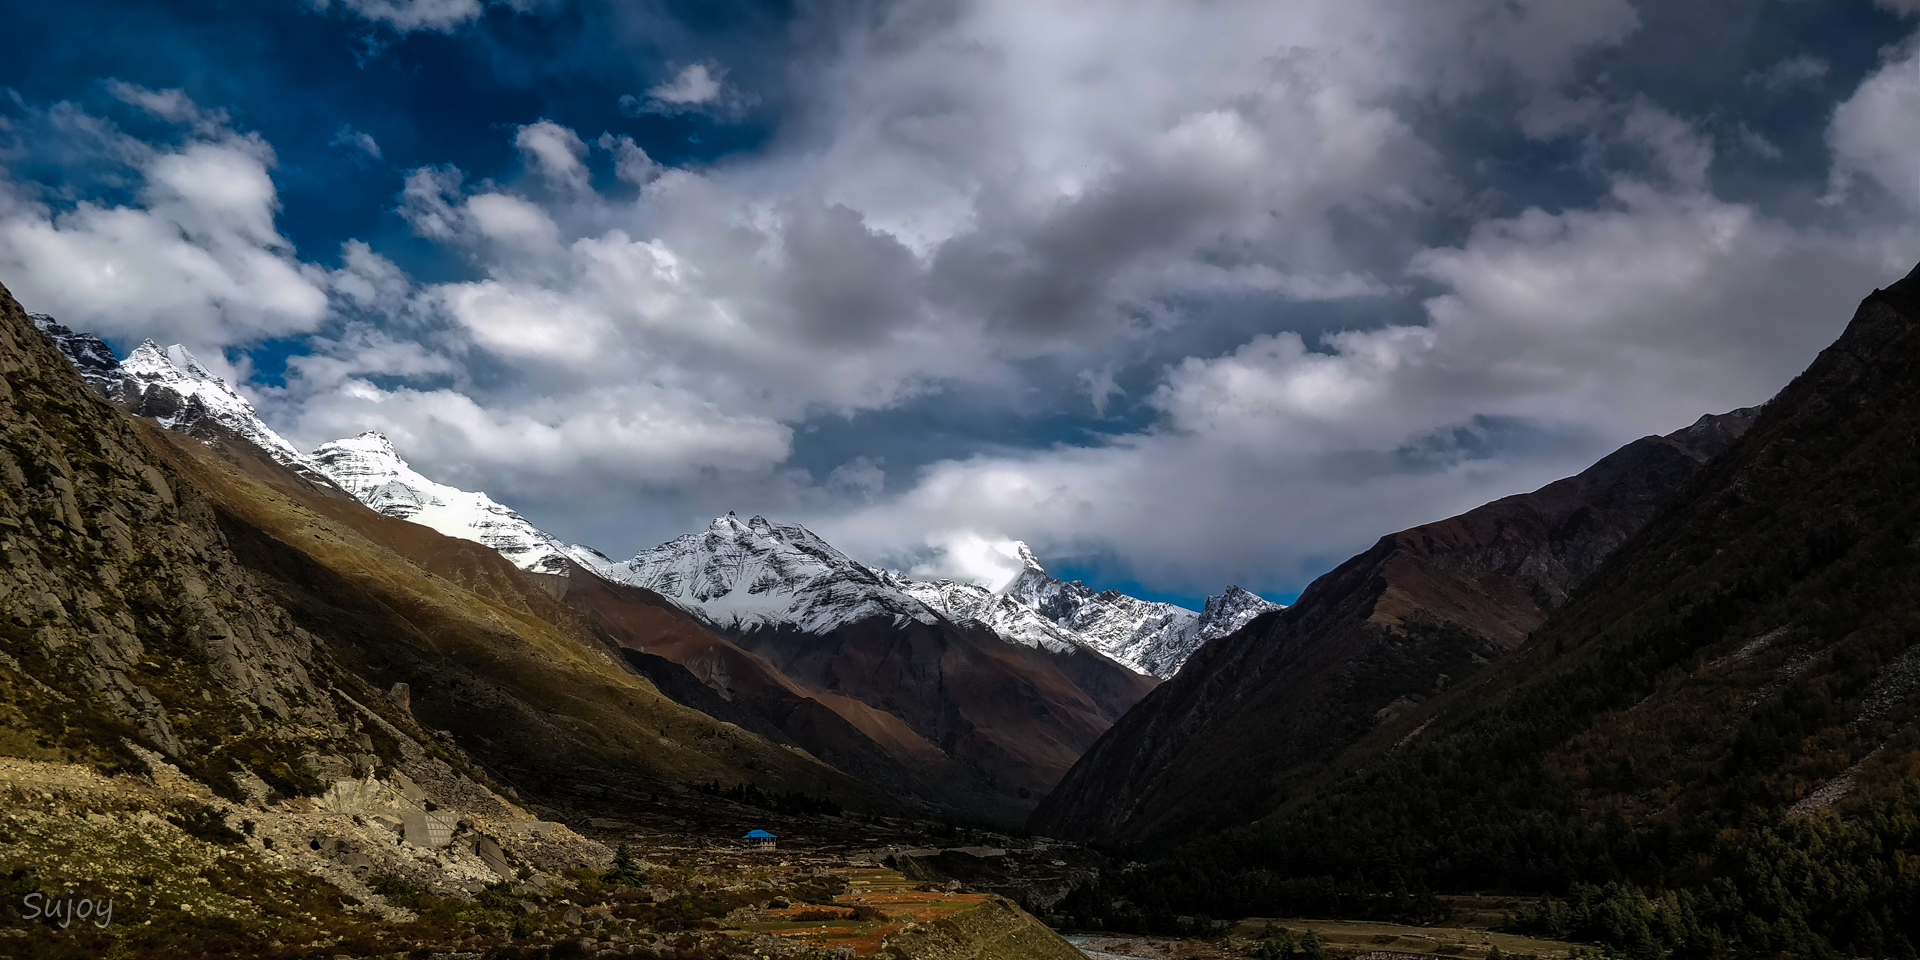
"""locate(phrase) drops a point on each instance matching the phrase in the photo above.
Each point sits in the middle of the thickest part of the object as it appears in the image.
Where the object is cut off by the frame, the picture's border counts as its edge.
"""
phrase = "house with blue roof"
(759, 839)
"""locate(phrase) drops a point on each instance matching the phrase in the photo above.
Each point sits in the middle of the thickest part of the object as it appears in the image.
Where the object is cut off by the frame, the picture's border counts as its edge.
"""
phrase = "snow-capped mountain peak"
(173, 388)
(151, 361)
(1231, 610)
(757, 573)
(1147, 635)
(363, 463)
(746, 574)
(368, 467)
(972, 601)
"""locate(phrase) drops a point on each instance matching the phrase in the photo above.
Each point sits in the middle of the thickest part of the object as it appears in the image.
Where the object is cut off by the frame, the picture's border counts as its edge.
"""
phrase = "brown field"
(887, 893)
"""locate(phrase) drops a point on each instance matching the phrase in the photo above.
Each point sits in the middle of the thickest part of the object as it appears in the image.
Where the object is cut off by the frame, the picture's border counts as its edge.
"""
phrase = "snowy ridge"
(1232, 610)
(742, 575)
(756, 573)
(971, 601)
(174, 389)
(368, 467)
(735, 574)
(1146, 635)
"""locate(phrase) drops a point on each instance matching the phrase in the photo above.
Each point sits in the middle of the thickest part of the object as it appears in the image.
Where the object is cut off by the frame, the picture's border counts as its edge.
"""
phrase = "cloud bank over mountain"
(1220, 291)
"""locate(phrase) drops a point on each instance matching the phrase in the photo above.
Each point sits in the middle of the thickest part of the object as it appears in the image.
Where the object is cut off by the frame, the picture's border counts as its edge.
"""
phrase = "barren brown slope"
(866, 743)
(472, 566)
(1011, 718)
(1369, 641)
(184, 578)
(515, 675)
(949, 715)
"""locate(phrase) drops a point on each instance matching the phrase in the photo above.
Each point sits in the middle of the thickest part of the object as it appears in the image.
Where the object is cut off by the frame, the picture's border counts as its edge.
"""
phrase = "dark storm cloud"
(845, 282)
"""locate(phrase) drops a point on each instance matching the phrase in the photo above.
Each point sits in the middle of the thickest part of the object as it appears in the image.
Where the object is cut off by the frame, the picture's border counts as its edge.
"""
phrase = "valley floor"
(194, 875)
(190, 874)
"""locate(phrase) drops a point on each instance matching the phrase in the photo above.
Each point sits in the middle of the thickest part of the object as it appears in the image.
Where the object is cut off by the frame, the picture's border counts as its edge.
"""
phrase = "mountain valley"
(1550, 698)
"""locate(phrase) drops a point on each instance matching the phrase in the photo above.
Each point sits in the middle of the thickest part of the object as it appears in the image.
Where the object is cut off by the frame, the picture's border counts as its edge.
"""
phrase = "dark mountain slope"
(1725, 712)
(1255, 712)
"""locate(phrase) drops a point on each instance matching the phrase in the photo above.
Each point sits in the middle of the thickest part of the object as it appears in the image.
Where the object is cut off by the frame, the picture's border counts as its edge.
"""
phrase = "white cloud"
(370, 281)
(630, 163)
(171, 105)
(196, 256)
(860, 478)
(554, 152)
(1757, 143)
(696, 83)
(1678, 150)
(968, 557)
(632, 436)
(1874, 132)
(427, 203)
(695, 88)
(527, 323)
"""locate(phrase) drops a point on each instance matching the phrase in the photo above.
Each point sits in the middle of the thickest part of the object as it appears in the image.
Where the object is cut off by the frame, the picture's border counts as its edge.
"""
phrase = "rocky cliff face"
(138, 639)
(122, 589)
(90, 355)
(1382, 633)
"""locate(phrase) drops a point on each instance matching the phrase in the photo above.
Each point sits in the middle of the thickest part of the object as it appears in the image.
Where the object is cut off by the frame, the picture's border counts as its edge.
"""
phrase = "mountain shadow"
(1709, 750)
(1254, 714)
